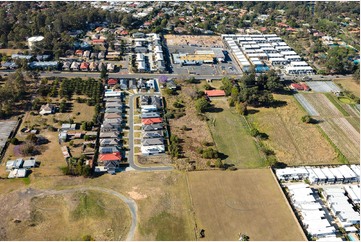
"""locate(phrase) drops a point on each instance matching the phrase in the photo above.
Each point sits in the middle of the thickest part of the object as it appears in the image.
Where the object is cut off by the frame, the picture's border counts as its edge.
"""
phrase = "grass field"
(343, 132)
(164, 209)
(245, 201)
(65, 217)
(349, 84)
(230, 133)
(293, 141)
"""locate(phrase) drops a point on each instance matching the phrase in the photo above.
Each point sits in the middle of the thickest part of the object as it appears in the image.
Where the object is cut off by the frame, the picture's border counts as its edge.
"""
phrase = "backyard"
(249, 202)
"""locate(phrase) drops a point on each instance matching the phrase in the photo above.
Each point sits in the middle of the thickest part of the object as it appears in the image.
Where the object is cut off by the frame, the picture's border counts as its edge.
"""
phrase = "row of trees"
(252, 90)
(13, 91)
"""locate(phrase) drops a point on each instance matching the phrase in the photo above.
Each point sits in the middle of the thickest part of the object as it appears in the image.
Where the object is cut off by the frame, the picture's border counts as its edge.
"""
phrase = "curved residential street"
(131, 140)
(128, 201)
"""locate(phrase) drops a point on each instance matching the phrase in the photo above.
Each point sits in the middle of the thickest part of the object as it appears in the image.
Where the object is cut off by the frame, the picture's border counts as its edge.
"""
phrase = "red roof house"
(98, 41)
(79, 52)
(84, 66)
(112, 81)
(300, 87)
(149, 121)
(282, 25)
(110, 157)
(124, 32)
(215, 93)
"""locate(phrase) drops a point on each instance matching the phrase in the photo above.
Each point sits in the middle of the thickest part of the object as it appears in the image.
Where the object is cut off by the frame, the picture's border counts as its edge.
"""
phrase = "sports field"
(293, 141)
(232, 138)
(245, 201)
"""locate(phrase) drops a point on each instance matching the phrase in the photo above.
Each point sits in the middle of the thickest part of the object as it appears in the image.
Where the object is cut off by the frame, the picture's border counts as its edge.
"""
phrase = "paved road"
(130, 203)
(131, 140)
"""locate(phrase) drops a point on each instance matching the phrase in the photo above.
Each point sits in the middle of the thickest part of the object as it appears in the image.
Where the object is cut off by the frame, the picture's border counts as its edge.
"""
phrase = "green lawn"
(230, 133)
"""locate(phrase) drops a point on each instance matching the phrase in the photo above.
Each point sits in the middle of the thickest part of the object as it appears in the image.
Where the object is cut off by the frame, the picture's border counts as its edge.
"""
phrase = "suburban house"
(108, 149)
(68, 126)
(132, 84)
(152, 127)
(171, 85)
(113, 110)
(300, 87)
(111, 116)
(150, 115)
(112, 82)
(47, 109)
(109, 157)
(14, 164)
(93, 66)
(29, 163)
(107, 127)
(152, 141)
(123, 84)
(18, 173)
(79, 53)
(84, 66)
(75, 66)
(149, 108)
(101, 55)
(86, 54)
(113, 104)
(108, 135)
(148, 121)
(215, 93)
(152, 134)
(108, 142)
(152, 150)
(67, 65)
(110, 67)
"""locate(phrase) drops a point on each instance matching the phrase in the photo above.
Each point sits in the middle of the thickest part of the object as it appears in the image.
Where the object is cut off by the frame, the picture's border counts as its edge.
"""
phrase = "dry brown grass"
(244, 201)
(64, 217)
(200, 40)
(349, 84)
(293, 141)
(199, 131)
(9, 52)
(164, 210)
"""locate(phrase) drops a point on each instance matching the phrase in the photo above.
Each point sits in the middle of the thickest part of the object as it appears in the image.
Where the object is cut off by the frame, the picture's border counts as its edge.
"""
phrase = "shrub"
(218, 163)
(14, 141)
(306, 119)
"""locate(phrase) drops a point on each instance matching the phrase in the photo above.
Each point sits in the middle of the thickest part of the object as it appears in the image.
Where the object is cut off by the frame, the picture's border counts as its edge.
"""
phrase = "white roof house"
(328, 174)
(18, 173)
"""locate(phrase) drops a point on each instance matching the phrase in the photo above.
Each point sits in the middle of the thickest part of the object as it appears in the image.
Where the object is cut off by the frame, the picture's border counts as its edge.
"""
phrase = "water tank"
(33, 41)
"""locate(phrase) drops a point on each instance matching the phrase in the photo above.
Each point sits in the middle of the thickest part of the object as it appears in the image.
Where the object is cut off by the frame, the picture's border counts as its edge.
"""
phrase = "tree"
(356, 74)
(207, 87)
(241, 108)
(201, 105)
(103, 72)
(306, 119)
(62, 107)
(32, 138)
(218, 163)
(14, 141)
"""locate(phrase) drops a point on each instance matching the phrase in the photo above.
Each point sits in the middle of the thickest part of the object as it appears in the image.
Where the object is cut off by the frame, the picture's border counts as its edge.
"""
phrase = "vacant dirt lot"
(30, 216)
(231, 135)
(164, 210)
(199, 40)
(245, 201)
(349, 84)
(293, 141)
